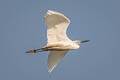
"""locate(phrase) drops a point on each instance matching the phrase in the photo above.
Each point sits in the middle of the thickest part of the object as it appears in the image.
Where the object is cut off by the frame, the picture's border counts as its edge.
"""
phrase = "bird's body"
(58, 42)
(62, 45)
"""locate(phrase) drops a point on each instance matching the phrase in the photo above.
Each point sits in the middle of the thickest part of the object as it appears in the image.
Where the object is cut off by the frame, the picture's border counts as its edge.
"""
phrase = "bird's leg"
(40, 50)
(34, 51)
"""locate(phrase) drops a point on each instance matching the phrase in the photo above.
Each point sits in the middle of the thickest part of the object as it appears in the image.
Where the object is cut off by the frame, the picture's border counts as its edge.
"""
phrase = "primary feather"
(56, 34)
(57, 25)
(54, 58)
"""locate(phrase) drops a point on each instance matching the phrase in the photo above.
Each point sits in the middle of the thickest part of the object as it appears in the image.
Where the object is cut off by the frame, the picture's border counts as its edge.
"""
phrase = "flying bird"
(58, 42)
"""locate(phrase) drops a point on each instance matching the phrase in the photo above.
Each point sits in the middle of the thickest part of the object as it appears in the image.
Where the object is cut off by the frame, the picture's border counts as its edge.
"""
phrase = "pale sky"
(22, 28)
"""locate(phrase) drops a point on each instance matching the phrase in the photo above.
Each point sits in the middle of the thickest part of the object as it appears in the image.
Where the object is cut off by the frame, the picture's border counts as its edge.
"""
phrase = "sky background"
(22, 28)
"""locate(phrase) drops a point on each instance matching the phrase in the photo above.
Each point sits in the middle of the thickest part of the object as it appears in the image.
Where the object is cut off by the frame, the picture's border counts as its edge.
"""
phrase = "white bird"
(58, 42)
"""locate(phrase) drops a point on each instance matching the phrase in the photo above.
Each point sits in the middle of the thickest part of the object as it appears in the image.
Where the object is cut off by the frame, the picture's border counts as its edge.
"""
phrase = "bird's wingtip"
(50, 10)
(51, 69)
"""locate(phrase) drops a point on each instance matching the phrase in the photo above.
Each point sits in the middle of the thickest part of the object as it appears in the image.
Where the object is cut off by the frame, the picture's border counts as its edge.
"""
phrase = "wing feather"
(54, 58)
(57, 25)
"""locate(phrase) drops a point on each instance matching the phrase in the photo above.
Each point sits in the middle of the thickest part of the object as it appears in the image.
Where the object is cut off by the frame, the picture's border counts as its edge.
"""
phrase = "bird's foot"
(34, 51)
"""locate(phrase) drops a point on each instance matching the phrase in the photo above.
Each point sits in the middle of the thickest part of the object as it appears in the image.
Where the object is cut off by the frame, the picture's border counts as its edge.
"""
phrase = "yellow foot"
(31, 51)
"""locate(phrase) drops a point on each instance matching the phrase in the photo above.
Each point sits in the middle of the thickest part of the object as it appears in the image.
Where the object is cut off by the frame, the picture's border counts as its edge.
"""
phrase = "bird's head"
(80, 42)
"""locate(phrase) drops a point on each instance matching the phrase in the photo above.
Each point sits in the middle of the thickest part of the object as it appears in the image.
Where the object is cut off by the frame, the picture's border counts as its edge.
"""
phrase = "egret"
(58, 42)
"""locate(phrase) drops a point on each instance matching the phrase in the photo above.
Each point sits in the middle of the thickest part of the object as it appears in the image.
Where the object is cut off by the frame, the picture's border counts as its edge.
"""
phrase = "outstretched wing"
(57, 25)
(54, 58)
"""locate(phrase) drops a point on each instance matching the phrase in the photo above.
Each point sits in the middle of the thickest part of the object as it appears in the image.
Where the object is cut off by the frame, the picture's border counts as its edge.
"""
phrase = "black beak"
(84, 41)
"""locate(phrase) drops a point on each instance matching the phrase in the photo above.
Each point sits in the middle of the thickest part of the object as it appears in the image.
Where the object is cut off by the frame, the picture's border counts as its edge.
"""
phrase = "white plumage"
(57, 38)
(54, 58)
(57, 25)
(58, 42)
